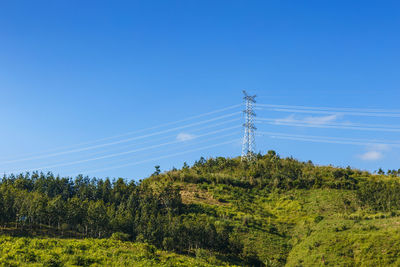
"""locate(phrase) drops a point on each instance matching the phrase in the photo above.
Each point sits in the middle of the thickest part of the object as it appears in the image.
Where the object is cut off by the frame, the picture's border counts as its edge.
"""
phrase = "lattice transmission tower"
(249, 143)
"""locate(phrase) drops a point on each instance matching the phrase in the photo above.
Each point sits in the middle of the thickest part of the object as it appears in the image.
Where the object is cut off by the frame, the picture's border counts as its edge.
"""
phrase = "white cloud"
(313, 120)
(371, 155)
(320, 120)
(289, 118)
(375, 152)
(380, 147)
(185, 137)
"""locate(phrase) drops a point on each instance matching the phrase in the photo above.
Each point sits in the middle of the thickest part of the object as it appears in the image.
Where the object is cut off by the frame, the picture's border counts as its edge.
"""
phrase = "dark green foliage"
(96, 208)
(380, 195)
(268, 171)
(54, 261)
(120, 236)
(318, 218)
(152, 211)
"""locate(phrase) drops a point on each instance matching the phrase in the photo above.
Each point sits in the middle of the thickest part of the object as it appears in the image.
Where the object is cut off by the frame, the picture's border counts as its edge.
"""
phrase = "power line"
(188, 142)
(120, 153)
(326, 139)
(163, 157)
(120, 141)
(170, 136)
(310, 121)
(390, 115)
(174, 149)
(134, 132)
(349, 126)
(331, 108)
(314, 137)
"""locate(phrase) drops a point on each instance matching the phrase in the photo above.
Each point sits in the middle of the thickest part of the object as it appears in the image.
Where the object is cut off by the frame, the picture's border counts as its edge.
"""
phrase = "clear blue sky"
(76, 71)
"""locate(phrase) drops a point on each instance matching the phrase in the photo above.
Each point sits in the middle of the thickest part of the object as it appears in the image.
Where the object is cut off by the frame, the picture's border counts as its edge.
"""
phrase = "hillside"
(273, 212)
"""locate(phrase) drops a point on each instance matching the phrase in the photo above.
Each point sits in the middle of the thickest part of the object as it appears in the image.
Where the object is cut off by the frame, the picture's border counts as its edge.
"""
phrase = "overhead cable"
(121, 153)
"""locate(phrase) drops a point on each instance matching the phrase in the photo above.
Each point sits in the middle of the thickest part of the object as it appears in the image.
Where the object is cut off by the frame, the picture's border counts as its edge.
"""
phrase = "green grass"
(313, 227)
(340, 242)
(293, 228)
(19, 251)
(298, 227)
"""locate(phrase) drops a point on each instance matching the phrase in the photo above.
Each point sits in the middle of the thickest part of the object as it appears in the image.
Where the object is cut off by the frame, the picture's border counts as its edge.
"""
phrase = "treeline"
(269, 172)
(380, 191)
(102, 208)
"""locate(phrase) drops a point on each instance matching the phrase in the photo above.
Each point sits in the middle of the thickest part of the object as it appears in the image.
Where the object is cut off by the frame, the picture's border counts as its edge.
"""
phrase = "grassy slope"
(348, 243)
(294, 228)
(17, 251)
(303, 227)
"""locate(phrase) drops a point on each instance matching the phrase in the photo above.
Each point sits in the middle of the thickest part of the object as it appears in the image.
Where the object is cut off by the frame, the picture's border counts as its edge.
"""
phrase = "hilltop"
(220, 211)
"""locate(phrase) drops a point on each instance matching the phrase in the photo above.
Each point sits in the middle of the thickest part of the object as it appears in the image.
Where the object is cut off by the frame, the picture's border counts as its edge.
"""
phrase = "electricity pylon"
(249, 143)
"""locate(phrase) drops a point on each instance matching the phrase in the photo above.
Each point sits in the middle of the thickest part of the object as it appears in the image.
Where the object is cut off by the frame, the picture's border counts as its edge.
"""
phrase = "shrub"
(120, 236)
(83, 261)
(54, 261)
(318, 218)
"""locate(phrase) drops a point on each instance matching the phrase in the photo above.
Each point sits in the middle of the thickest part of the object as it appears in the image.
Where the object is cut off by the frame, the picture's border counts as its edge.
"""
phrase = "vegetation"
(17, 251)
(271, 212)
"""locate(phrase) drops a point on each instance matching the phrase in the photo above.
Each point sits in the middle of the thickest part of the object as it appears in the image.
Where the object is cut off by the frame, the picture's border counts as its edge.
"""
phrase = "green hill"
(273, 212)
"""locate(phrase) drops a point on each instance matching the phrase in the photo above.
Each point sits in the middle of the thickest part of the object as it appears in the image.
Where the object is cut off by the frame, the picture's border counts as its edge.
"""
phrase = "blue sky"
(73, 72)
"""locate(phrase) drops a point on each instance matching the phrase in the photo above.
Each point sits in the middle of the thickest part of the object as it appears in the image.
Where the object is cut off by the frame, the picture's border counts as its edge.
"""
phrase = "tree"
(38, 207)
(97, 218)
(157, 170)
(119, 192)
(106, 191)
(76, 211)
(3, 218)
(121, 219)
(56, 211)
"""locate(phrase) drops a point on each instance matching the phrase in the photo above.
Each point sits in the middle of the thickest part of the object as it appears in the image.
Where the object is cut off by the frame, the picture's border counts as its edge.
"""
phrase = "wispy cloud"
(380, 147)
(375, 152)
(288, 119)
(371, 155)
(185, 137)
(313, 120)
(320, 120)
